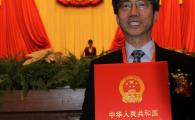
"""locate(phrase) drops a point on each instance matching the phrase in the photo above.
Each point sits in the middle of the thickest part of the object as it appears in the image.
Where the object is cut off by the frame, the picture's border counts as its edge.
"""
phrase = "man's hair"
(90, 41)
(155, 4)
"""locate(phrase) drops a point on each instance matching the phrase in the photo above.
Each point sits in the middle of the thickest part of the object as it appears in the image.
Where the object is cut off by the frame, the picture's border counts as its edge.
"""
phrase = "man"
(90, 50)
(136, 18)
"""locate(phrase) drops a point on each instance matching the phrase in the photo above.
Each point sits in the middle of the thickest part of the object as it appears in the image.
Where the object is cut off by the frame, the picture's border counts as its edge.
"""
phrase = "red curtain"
(188, 24)
(119, 40)
(21, 30)
(167, 30)
(175, 27)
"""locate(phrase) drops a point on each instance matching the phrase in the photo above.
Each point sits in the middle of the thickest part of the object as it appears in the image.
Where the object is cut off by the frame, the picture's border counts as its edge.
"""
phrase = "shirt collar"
(148, 49)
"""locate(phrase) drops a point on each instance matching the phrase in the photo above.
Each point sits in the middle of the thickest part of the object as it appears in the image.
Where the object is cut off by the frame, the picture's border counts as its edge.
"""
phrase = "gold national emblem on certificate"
(131, 89)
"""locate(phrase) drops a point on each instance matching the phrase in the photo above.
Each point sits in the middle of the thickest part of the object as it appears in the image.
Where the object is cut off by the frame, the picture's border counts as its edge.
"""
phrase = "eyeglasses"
(140, 4)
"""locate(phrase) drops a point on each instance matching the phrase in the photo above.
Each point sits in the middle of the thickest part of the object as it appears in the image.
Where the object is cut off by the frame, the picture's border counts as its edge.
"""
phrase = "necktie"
(137, 55)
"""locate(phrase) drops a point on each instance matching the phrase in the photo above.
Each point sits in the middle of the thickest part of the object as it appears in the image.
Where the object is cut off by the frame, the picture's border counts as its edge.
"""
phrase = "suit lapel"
(117, 57)
(159, 53)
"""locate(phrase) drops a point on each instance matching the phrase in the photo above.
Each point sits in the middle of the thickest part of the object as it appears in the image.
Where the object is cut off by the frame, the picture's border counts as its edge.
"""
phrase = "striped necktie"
(137, 55)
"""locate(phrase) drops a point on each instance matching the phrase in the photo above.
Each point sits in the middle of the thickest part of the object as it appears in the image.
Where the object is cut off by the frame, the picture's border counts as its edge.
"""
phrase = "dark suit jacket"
(88, 53)
(182, 107)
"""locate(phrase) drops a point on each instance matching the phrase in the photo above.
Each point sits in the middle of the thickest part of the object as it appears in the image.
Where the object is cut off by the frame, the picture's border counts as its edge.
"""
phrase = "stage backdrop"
(71, 27)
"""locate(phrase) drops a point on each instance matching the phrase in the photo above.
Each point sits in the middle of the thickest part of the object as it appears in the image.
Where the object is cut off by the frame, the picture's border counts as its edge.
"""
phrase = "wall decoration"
(80, 3)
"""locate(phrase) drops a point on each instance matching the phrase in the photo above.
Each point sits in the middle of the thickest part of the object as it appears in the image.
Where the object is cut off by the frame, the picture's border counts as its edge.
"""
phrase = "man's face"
(136, 17)
(90, 44)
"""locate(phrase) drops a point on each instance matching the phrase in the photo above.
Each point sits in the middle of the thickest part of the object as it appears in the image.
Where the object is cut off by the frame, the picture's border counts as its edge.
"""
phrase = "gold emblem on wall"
(131, 89)
(80, 2)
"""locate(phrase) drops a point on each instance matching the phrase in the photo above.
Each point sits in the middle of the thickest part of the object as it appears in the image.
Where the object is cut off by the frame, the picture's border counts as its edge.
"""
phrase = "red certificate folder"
(138, 91)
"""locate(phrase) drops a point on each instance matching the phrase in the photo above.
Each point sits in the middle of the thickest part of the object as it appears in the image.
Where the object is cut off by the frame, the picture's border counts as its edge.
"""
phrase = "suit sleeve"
(88, 112)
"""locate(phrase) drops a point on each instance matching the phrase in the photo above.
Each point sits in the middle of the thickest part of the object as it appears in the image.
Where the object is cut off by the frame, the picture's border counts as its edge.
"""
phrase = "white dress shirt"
(148, 49)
